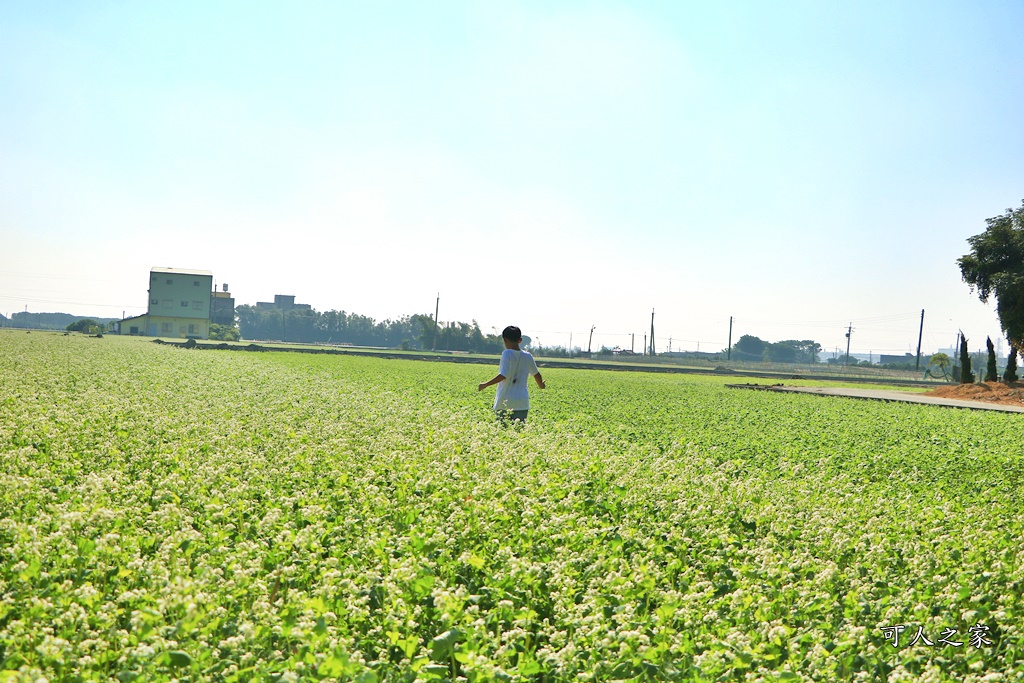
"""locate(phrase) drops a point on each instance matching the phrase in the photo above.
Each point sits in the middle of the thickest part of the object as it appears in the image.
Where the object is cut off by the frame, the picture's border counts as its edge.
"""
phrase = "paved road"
(885, 395)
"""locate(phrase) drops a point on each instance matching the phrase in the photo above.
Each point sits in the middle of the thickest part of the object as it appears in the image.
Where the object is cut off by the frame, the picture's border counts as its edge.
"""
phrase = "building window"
(167, 328)
(170, 281)
(191, 328)
(154, 302)
(167, 303)
(195, 283)
(197, 305)
(184, 304)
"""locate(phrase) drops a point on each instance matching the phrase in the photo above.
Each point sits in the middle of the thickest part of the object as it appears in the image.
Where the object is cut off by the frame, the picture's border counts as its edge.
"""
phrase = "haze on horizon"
(799, 166)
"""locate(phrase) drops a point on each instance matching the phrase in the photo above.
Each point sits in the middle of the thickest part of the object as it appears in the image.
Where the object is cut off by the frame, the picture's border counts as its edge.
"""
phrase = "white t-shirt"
(517, 367)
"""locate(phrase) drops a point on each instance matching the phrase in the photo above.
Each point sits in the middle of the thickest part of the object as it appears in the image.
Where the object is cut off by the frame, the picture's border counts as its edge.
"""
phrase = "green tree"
(1010, 373)
(425, 330)
(224, 332)
(966, 376)
(794, 351)
(995, 267)
(942, 362)
(87, 325)
(749, 347)
(991, 373)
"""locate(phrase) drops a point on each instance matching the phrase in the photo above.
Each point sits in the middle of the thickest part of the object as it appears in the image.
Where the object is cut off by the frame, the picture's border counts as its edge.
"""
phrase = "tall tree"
(1010, 373)
(991, 373)
(995, 267)
(966, 376)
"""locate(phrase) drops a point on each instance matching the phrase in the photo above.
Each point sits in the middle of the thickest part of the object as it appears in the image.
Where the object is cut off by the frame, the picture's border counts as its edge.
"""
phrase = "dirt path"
(889, 395)
(990, 392)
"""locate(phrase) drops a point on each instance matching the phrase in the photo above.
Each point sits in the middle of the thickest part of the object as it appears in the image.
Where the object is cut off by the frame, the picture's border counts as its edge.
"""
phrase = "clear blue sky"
(556, 165)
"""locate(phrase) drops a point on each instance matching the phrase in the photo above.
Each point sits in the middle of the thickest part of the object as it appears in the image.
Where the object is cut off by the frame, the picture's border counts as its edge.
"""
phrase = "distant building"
(135, 326)
(179, 305)
(222, 308)
(282, 302)
(905, 359)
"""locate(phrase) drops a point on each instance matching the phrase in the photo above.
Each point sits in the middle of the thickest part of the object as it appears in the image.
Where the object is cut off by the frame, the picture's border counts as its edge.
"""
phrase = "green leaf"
(435, 670)
(442, 646)
(528, 666)
(179, 658)
(408, 646)
(334, 666)
(31, 571)
(623, 670)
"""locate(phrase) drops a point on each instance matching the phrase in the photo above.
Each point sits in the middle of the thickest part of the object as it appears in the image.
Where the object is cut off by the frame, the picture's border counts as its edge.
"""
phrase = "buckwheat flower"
(54, 649)
(144, 651)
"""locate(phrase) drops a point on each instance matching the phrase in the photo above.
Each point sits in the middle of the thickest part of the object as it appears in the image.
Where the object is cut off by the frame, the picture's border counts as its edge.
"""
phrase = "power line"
(837, 322)
(33, 300)
(41, 276)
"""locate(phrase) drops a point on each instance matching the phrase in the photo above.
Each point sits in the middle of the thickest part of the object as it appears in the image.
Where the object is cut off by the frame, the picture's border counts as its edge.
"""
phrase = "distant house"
(905, 359)
(179, 305)
(222, 308)
(282, 302)
(135, 326)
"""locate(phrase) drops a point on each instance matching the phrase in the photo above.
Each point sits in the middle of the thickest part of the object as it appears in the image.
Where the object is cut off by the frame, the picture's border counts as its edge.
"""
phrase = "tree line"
(48, 321)
(309, 326)
(751, 348)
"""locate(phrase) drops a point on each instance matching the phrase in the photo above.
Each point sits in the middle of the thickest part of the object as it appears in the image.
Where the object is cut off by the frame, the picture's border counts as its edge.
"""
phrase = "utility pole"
(645, 345)
(590, 341)
(728, 351)
(437, 307)
(920, 331)
(849, 331)
(670, 344)
(632, 341)
(653, 352)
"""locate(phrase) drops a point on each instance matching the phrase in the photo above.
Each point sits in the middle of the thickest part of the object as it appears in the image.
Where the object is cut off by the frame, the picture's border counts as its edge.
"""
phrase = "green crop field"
(168, 514)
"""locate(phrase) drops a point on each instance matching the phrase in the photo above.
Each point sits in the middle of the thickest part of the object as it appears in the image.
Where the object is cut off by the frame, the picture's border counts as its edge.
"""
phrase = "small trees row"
(966, 375)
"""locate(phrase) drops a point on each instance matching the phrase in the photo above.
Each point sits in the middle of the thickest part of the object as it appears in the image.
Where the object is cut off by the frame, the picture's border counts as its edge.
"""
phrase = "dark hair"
(512, 333)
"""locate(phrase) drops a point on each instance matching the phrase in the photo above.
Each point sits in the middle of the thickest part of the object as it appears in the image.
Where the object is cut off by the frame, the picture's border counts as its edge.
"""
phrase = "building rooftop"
(182, 271)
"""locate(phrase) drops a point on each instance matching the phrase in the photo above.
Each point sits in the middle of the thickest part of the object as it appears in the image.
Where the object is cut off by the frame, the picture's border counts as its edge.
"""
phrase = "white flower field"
(170, 514)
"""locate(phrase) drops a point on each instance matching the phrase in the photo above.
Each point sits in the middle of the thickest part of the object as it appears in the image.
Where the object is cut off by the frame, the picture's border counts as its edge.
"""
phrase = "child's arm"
(497, 378)
(540, 381)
